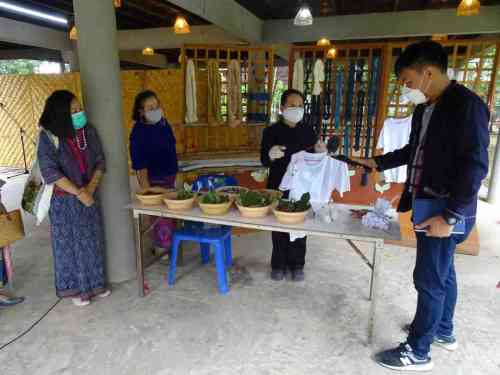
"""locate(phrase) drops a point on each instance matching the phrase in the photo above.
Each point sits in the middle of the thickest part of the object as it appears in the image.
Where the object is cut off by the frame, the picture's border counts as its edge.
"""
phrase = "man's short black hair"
(417, 55)
(289, 92)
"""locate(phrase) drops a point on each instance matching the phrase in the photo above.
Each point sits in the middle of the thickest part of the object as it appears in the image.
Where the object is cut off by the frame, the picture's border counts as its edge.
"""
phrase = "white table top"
(344, 226)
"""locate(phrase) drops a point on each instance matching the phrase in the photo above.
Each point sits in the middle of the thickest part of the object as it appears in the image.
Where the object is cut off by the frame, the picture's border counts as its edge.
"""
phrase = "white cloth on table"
(298, 75)
(395, 134)
(319, 76)
(191, 100)
(316, 174)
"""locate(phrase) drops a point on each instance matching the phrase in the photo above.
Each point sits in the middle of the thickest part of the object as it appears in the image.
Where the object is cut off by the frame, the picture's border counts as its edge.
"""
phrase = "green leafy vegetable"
(291, 205)
(254, 199)
(184, 195)
(214, 198)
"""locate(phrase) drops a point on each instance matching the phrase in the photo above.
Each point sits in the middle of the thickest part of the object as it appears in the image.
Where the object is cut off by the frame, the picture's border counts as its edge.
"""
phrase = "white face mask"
(293, 114)
(154, 116)
(416, 96)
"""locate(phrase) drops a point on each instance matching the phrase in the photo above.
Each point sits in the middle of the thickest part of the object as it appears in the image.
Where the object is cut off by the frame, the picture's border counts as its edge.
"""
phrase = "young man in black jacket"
(447, 159)
(279, 142)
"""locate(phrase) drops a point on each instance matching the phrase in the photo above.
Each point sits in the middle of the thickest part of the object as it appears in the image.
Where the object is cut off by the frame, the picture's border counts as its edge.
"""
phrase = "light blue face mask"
(79, 120)
(154, 116)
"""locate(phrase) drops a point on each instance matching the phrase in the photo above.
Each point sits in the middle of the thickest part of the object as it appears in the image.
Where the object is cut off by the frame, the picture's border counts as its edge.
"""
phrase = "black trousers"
(287, 254)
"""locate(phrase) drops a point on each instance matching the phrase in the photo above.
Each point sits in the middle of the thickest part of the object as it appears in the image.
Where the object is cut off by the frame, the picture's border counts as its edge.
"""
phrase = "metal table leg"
(377, 253)
(366, 261)
(139, 254)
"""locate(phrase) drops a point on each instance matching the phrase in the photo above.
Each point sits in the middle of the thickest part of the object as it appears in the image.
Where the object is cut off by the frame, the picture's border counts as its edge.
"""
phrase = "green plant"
(254, 199)
(214, 198)
(290, 205)
(184, 194)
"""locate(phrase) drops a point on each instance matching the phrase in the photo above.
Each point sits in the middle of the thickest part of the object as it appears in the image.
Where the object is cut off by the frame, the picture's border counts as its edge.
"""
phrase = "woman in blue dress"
(70, 156)
(154, 155)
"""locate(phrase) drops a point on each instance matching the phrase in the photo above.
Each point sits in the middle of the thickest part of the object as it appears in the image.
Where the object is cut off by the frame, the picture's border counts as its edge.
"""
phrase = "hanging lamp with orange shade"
(468, 8)
(181, 25)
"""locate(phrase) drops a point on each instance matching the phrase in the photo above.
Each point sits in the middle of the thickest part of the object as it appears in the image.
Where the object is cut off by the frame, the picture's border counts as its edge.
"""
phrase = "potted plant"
(180, 200)
(254, 204)
(215, 204)
(289, 211)
(232, 191)
(152, 195)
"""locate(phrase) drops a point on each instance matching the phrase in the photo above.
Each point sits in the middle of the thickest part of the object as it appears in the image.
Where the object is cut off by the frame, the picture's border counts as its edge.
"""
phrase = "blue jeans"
(436, 284)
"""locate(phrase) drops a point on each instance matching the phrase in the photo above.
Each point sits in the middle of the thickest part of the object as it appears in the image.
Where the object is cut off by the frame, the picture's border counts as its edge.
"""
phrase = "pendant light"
(331, 54)
(468, 8)
(148, 51)
(73, 33)
(181, 25)
(304, 16)
(323, 42)
(118, 3)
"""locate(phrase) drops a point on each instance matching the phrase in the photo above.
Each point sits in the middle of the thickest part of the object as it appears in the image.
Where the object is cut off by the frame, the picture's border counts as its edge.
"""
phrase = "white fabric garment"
(395, 134)
(319, 76)
(316, 174)
(191, 102)
(298, 75)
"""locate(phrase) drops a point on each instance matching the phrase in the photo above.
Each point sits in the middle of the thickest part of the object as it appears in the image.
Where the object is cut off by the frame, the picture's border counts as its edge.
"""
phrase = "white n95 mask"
(414, 95)
(294, 114)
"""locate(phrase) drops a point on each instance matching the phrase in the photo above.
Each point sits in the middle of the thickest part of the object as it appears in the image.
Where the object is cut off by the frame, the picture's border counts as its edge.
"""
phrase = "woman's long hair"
(139, 104)
(56, 116)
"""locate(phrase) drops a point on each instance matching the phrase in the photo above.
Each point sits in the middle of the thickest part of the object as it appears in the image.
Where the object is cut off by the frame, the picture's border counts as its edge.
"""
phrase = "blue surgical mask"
(154, 116)
(79, 120)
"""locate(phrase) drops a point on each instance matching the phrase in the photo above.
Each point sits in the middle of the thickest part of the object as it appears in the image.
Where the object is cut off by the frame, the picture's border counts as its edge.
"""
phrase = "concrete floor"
(261, 327)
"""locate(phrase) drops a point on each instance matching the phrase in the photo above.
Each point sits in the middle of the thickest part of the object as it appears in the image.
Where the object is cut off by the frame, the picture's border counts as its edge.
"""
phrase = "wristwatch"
(450, 219)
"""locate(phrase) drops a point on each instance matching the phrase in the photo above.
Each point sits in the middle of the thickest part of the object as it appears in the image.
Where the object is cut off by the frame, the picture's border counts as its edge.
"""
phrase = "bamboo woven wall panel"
(169, 86)
(16, 96)
(42, 85)
(25, 96)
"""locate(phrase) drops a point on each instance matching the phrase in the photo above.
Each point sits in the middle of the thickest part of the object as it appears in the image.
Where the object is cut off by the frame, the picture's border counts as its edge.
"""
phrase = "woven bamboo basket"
(174, 204)
(152, 196)
(12, 228)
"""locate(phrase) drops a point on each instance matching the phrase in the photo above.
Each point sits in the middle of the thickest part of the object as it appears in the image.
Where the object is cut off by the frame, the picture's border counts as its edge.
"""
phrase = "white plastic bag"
(37, 194)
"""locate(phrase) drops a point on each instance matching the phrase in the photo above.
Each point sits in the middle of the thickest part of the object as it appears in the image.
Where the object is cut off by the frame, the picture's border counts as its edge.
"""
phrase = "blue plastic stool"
(220, 238)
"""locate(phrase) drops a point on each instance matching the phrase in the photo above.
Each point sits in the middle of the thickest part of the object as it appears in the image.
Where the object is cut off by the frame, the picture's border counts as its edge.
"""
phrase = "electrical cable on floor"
(31, 327)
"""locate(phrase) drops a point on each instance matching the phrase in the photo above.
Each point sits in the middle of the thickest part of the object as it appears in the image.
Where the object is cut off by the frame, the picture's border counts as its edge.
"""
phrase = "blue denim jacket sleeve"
(98, 151)
(471, 156)
(47, 160)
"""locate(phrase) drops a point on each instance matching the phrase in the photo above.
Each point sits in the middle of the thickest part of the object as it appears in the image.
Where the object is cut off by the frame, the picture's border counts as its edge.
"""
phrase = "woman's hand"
(86, 198)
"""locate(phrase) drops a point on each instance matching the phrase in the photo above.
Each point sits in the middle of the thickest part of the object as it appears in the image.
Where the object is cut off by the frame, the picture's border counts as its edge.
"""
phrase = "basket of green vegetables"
(180, 200)
(254, 204)
(289, 211)
(215, 204)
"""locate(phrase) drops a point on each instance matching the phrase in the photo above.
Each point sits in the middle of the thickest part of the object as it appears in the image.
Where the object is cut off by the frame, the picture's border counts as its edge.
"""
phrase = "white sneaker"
(105, 294)
(79, 302)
